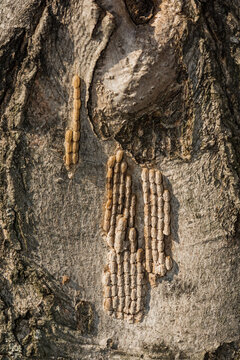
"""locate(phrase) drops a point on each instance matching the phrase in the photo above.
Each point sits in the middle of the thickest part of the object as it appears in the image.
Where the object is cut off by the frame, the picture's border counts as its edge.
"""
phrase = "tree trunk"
(159, 80)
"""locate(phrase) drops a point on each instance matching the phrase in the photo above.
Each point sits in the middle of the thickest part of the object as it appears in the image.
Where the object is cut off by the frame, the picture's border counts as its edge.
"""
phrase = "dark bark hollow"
(141, 11)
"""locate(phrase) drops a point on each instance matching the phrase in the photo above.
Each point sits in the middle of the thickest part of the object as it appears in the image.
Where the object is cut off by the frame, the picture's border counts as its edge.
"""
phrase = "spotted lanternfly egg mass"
(72, 135)
(157, 215)
(123, 282)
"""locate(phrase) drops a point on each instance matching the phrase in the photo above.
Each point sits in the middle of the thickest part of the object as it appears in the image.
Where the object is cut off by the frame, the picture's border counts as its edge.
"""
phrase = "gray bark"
(160, 79)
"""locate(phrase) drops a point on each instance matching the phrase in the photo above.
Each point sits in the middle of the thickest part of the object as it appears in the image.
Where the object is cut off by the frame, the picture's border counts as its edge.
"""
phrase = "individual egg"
(119, 258)
(159, 190)
(106, 278)
(126, 267)
(114, 290)
(120, 280)
(132, 235)
(152, 176)
(144, 175)
(76, 81)
(160, 246)
(128, 181)
(139, 268)
(133, 259)
(132, 309)
(140, 279)
(68, 135)
(134, 294)
(107, 291)
(121, 292)
(154, 244)
(74, 158)
(113, 279)
(145, 187)
(113, 267)
(133, 269)
(107, 304)
(76, 136)
(161, 258)
(166, 207)
(155, 255)
(123, 167)
(121, 224)
(117, 170)
(158, 177)
(140, 255)
(76, 125)
(121, 303)
(138, 317)
(77, 104)
(127, 279)
(152, 280)
(111, 161)
(127, 290)
(75, 146)
(126, 256)
(146, 198)
(76, 93)
(112, 256)
(153, 233)
(166, 195)
(154, 221)
(120, 270)
(119, 156)
(119, 315)
(148, 266)
(68, 147)
(162, 270)
(109, 204)
(168, 263)
(167, 230)
(115, 302)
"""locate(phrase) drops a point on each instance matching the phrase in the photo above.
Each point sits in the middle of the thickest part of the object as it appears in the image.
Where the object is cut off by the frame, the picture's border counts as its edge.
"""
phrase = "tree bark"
(160, 80)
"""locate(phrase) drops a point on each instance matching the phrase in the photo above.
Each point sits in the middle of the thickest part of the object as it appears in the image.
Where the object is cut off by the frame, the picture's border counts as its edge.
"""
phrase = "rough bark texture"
(160, 78)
